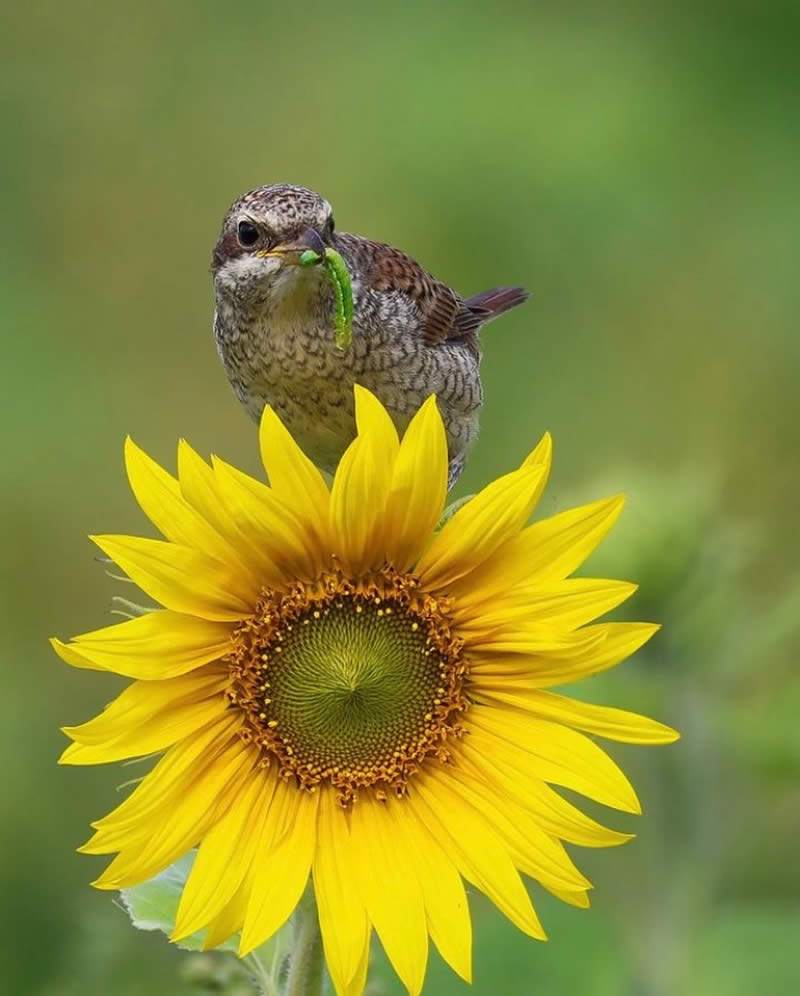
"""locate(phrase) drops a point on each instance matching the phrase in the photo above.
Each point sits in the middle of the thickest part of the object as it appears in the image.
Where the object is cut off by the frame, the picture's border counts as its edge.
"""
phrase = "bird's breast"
(286, 356)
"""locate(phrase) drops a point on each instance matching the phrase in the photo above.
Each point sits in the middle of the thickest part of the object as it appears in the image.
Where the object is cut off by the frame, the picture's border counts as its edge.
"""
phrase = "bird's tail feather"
(491, 303)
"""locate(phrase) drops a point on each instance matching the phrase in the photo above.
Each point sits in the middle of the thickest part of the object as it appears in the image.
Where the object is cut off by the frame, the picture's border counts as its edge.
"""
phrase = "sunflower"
(339, 691)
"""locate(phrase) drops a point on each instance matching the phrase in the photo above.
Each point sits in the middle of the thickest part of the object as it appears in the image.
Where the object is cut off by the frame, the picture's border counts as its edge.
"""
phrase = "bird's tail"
(491, 303)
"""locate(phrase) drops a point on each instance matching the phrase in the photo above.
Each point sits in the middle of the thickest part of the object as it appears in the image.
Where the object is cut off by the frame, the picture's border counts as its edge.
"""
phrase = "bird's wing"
(443, 313)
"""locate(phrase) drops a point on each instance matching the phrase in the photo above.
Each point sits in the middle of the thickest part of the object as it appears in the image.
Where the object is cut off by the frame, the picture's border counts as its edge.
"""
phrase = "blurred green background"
(636, 166)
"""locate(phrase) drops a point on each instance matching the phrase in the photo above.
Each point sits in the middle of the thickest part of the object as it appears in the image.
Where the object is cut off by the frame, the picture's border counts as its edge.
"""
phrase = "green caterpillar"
(339, 277)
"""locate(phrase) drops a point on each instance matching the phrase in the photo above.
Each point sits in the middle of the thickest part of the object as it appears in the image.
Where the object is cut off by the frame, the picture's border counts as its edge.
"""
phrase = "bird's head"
(263, 236)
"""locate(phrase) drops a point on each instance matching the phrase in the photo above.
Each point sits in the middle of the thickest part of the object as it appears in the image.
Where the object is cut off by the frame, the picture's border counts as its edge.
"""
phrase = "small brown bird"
(274, 329)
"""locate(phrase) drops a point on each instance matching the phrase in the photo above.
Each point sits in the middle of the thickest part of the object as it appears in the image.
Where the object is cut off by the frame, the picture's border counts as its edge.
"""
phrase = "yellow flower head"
(338, 690)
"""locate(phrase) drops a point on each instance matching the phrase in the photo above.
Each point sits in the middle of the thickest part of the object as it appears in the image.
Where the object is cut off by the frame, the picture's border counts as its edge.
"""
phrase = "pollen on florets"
(353, 684)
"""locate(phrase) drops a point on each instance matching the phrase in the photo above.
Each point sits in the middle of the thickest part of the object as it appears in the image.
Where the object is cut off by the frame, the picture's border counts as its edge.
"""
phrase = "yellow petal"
(534, 639)
(179, 578)
(579, 899)
(563, 604)
(147, 717)
(281, 543)
(141, 699)
(446, 906)
(479, 527)
(283, 866)
(224, 856)
(183, 765)
(613, 724)
(418, 489)
(541, 455)
(548, 550)
(175, 772)
(374, 422)
(133, 864)
(133, 743)
(69, 653)
(199, 488)
(358, 983)
(293, 477)
(159, 495)
(561, 544)
(361, 487)
(158, 645)
(553, 753)
(553, 813)
(342, 916)
(230, 918)
(185, 822)
(533, 850)
(390, 891)
(478, 851)
(619, 640)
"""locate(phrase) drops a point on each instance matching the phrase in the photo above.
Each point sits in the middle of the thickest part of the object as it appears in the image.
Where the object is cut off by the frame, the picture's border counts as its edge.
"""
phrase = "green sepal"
(125, 607)
(451, 510)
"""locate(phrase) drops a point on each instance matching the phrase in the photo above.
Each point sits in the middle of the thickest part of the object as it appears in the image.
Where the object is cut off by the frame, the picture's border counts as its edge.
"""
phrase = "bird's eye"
(329, 225)
(247, 233)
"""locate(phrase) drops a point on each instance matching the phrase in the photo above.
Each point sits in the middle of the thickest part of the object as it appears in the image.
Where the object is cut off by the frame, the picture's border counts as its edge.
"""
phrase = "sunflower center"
(349, 685)
(356, 679)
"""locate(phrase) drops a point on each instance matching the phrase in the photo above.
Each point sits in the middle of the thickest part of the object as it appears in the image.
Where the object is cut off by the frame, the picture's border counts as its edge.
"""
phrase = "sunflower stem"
(305, 961)
(265, 980)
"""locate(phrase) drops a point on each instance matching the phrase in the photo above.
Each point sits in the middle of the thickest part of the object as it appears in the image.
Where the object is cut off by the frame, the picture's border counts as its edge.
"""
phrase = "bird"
(413, 335)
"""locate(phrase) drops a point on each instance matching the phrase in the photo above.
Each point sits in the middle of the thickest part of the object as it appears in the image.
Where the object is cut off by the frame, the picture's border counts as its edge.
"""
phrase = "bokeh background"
(636, 166)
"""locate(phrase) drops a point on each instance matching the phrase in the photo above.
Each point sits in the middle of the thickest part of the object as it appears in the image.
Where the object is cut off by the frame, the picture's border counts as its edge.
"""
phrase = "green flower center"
(355, 681)
(354, 688)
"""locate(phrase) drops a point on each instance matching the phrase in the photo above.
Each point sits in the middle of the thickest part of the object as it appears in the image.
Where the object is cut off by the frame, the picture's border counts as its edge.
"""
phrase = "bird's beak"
(309, 238)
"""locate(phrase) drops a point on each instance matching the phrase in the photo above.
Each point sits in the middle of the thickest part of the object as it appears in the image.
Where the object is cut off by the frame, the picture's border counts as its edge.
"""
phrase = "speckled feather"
(412, 334)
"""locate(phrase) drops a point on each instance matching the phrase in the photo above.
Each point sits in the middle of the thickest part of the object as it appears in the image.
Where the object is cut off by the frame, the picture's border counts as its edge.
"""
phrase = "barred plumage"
(412, 334)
